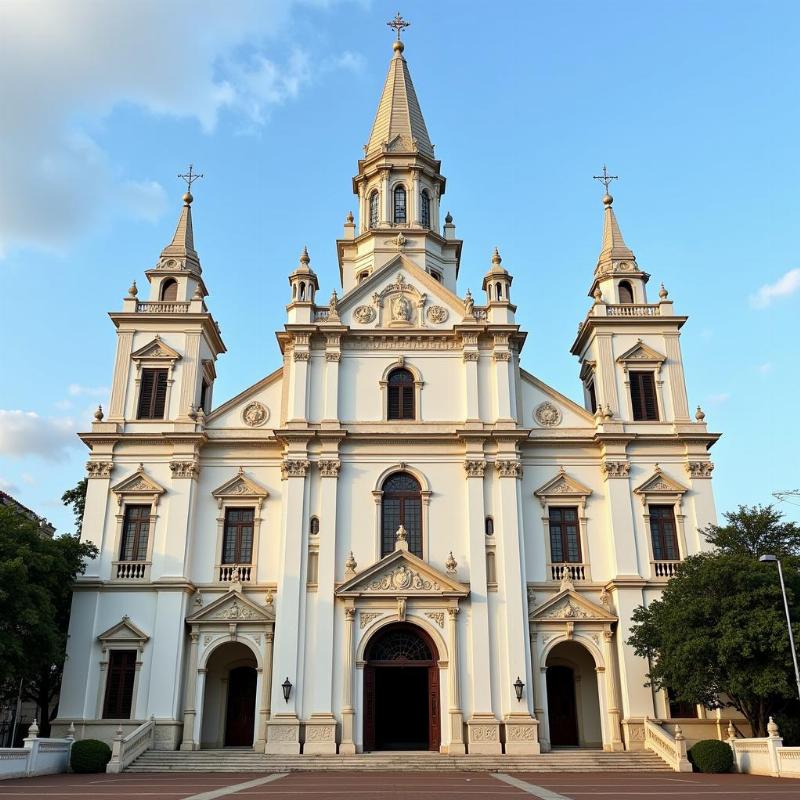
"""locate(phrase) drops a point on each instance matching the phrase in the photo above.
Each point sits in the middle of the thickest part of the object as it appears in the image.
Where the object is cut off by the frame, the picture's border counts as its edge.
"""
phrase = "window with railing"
(135, 533)
(664, 534)
(237, 540)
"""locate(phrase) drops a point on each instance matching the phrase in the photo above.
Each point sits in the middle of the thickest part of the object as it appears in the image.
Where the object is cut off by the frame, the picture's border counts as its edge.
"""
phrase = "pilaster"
(347, 745)
(190, 692)
(456, 718)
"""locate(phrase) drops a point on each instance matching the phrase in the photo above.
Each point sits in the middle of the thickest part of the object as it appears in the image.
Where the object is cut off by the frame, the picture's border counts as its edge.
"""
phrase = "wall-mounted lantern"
(518, 687)
(287, 689)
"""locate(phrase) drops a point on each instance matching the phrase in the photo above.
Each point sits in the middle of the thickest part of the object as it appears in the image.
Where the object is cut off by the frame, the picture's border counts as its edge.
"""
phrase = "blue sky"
(694, 105)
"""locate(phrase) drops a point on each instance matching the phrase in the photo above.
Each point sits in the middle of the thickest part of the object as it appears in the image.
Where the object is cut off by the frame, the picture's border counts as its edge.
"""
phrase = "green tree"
(76, 497)
(718, 633)
(36, 578)
(755, 531)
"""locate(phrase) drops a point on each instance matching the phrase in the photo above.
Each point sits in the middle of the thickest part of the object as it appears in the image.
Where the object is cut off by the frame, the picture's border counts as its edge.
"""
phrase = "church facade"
(401, 539)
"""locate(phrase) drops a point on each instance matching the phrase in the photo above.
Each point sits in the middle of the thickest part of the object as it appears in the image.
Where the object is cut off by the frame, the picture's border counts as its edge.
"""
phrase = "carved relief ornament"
(700, 469)
(508, 468)
(99, 469)
(184, 469)
(475, 468)
(294, 468)
(401, 578)
(364, 314)
(329, 467)
(547, 415)
(255, 414)
(437, 314)
(615, 469)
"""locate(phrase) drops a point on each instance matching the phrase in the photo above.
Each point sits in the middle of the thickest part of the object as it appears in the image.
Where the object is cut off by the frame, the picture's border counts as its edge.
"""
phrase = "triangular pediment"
(642, 352)
(156, 349)
(140, 483)
(390, 297)
(402, 574)
(123, 631)
(659, 483)
(240, 486)
(570, 606)
(231, 607)
(563, 485)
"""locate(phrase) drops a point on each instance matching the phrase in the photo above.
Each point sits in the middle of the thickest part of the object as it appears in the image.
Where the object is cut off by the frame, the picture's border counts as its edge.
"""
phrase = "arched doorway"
(229, 698)
(573, 704)
(401, 690)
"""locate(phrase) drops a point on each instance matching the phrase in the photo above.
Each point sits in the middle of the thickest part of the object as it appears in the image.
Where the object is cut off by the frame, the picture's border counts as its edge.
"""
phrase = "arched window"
(169, 290)
(313, 527)
(425, 209)
(400, 399)
(488, 526)
(373, 209)
(498, 288)
(363, 275)
(401, 504)
(399, 204)
(625, 292)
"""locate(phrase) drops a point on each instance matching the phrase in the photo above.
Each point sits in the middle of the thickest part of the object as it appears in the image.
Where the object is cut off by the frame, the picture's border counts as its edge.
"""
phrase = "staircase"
(247, 761)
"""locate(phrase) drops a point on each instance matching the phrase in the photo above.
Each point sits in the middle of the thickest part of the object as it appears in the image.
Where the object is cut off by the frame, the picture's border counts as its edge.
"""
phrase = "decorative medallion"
(402, 578)
(235, 611)
(547, 415)
(437, 314)
(364, 314)
(255, 414)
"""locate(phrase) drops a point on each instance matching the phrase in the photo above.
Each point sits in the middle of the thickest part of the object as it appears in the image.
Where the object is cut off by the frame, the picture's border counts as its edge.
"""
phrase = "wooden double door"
(562, 710)
(240, 713)
(401, 691)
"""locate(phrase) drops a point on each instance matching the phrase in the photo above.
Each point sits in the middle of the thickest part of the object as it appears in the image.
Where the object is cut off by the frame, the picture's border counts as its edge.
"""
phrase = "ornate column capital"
(294, 468)
(475, 467)
(508, 468)
(700, 469)
(99, 469)
(329, 467)
(615, 469)
(185, 469)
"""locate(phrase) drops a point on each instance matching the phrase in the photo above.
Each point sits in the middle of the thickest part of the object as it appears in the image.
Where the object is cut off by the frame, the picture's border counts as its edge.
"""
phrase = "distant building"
(400, 538)
(45, 527)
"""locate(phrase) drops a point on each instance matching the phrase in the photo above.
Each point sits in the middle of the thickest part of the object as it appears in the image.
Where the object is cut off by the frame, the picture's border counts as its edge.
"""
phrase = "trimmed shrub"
(711, 755)
(89, 755)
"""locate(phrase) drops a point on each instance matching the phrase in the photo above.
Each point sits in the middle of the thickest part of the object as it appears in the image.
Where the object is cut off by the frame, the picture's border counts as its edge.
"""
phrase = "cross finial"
(190, 177)
(605, 178)
(399, 25)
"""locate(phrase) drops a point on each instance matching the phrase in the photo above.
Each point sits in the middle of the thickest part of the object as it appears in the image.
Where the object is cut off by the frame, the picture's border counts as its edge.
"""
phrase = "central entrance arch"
(401, 690)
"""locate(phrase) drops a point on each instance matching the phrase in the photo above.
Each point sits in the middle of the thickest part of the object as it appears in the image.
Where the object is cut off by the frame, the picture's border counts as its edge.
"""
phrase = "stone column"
(266, 693)
(612, 693)
(333, 355)
(321, 727)
(456, 746)
(521, 727)
(413, 200)
(471, 357)
(386, 201)
(190, 694)
(298, 387)
(483, 727)
(347, 746)
(505, 399)
(283, 729)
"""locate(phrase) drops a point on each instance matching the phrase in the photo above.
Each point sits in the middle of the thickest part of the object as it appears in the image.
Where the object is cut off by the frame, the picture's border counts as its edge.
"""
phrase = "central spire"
(399, 125)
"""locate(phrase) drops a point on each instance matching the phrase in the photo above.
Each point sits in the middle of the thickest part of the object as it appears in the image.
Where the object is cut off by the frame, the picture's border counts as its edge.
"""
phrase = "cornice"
(139, 321)
(590, 322)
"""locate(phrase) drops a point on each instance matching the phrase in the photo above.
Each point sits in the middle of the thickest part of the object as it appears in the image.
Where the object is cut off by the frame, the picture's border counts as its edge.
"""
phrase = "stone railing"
(126, 749)
(575, 572)
(320, 314)
(632, 310)
(162, 307)
(766, 755)
(233, 572)
(131, 570)
(480, 312)
(670, 749)
(36, 756)
(664, 569)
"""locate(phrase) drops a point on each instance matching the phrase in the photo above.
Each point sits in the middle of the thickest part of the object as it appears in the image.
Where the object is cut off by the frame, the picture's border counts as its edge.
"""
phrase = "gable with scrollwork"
(569, 606)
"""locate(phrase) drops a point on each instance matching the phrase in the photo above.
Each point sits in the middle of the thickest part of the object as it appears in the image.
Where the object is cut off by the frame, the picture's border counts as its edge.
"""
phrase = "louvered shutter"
(160, 394)
(145, 394)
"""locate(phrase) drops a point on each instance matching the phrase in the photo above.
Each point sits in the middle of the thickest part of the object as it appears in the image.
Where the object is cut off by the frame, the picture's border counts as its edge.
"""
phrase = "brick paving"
(403, 786)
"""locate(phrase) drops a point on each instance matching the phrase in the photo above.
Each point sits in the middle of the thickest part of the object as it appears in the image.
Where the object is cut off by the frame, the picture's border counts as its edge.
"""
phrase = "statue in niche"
(401, 309)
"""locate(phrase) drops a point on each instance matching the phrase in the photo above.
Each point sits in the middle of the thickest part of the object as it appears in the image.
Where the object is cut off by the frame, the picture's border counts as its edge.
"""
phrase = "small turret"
(304, 284)
(497, 285)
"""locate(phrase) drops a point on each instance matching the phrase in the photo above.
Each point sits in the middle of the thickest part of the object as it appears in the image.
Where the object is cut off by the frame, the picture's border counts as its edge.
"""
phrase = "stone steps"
(245, 761)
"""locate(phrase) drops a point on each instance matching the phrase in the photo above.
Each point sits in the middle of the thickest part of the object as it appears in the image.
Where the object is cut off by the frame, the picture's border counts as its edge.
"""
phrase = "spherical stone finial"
(304, 257)
(398, 46)
(133, 291)
(607, 199)
(187, 199)
(448, 218)
(699, 415)
(663, 293)
(98, 415)
(496, 257)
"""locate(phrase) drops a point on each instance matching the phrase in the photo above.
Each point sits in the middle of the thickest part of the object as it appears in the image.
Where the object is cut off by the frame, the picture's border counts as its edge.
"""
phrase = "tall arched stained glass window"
(401, 504)
(425, 209)
(399, 204)
(373, 209)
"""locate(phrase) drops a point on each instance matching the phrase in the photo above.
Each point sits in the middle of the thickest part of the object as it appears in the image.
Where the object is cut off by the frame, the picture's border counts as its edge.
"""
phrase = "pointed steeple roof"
(399, 125)
(614, 249)
(181, 248)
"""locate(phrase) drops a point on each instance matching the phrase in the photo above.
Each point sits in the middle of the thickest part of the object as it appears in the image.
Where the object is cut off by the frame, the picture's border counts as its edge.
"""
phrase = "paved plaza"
(402, 786)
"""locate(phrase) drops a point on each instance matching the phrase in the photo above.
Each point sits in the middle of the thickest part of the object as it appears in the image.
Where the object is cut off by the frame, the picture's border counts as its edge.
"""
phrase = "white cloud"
(64, 67)
(787, 284)
(25, 433)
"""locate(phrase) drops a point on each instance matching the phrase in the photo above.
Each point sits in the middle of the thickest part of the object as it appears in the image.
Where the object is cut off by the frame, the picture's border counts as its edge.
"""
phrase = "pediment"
(642, 352)
(240, 487)
(140, 483)
(400, 295)
(570, 606)
(156, 350)
(402, 574)
(563, 485)
(233, 606)
(123, 631)
(659, 483)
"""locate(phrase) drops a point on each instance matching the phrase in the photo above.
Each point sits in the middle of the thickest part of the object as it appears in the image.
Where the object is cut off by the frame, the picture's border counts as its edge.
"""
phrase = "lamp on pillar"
(287, 689)
(518, 687)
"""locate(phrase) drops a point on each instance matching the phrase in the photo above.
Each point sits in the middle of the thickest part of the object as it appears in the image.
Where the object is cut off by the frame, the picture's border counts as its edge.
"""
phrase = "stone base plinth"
(347, 746)
(522, 735)
(320, 735)
(483, 732)
(283, 735)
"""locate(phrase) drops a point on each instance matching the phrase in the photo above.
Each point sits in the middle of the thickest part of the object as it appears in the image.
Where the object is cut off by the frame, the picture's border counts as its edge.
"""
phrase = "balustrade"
(633, 310)
(232, 572)
(664, 569)
(575, 572)
(131, 570)
(162, 307)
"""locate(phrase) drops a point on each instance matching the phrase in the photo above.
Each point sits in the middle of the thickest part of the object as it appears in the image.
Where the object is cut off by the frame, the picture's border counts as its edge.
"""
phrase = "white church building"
(400, 539)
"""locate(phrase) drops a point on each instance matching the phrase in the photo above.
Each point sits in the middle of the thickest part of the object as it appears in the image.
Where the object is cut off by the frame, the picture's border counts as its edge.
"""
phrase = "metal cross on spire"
(605, 178)
(399, 24)
(190, 177)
